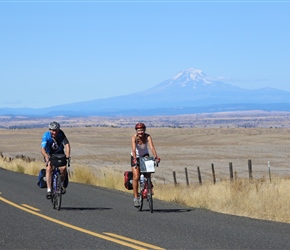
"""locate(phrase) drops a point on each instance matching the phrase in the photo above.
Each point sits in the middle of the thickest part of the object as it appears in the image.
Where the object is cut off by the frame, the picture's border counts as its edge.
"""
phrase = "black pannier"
(58, 160)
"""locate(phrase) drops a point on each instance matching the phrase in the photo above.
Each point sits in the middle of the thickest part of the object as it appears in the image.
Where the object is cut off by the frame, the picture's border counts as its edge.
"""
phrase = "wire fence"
(213, 174)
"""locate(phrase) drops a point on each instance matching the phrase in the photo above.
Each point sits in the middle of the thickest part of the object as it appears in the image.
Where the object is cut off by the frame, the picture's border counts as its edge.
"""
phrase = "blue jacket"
(54, 146)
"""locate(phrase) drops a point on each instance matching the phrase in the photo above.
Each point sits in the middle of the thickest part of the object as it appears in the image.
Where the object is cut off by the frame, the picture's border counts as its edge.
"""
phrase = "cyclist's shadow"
(168, 210)
(85, 208)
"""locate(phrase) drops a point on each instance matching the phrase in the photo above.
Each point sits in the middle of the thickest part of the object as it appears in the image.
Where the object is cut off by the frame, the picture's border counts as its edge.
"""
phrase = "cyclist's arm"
(133, 143)
(67, 150)
(43, 147)
(151, 144)
(45, 155)
(66, 145)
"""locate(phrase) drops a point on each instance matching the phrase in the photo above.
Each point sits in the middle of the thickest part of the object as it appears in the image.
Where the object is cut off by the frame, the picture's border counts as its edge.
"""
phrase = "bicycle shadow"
(85, 208)
(168, 210)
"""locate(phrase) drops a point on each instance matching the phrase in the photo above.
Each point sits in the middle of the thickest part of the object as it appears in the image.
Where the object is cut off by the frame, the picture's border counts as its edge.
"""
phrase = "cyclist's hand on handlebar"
(68, 161)
(46, 159)
(157, 159)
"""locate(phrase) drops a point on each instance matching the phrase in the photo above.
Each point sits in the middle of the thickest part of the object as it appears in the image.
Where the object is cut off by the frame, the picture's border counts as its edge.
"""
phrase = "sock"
(48, 190)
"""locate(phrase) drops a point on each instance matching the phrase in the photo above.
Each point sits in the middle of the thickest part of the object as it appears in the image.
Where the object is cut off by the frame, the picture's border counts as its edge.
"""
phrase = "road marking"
(134, 241)
(102, 236)
(32, 208)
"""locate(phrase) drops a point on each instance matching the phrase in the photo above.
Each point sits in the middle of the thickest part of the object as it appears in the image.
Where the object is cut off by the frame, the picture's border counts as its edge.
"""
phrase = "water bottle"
(142, 180)
(144, 192)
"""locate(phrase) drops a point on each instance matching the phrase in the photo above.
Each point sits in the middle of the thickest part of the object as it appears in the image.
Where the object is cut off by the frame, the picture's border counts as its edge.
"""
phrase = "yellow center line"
(134, 241)
(32, 208)
(78, 228)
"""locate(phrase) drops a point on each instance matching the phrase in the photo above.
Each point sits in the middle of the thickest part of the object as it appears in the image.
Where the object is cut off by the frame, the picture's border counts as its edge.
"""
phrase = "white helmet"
(54, 125)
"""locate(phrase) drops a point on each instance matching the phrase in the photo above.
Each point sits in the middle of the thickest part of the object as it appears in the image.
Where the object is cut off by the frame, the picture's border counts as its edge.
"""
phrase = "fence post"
(269, 171)
(250, 169)
(199, 175)
(231, 171)
(174, 178)
(186, 177)
(213, 173)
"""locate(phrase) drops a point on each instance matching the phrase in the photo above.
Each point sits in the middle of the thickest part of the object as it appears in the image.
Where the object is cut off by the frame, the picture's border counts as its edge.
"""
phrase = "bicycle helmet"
(54, 125)
(140, 125)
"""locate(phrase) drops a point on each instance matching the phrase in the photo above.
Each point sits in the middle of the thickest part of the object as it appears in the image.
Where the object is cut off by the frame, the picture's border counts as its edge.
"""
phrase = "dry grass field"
(102, 146)
(178, 148)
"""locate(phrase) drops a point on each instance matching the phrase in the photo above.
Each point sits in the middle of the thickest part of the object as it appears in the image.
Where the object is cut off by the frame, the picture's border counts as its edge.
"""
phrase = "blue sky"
(60, 52)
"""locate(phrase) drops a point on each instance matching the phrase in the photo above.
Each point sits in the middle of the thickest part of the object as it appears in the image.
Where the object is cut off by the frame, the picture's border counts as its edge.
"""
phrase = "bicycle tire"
(53, 197)
(140, 198)
(52, 200)
(140, 201)
(58, 192)
(149, 194)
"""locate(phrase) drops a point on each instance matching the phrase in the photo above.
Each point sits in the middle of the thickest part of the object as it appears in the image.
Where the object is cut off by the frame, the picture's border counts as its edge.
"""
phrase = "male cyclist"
(140, 141)
(54, 141)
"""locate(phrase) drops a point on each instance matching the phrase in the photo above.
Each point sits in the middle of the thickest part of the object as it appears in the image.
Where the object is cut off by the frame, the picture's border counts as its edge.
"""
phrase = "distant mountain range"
(189, 91)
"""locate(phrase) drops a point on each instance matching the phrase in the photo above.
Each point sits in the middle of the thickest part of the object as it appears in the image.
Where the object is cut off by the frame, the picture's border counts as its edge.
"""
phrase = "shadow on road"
(85, 208)
(168, 210)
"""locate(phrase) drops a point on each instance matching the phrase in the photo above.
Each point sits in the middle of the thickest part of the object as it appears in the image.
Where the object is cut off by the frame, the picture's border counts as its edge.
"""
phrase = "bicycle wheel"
(140, 202)
(149, 194)
(140, 197)
(58, 194)
(52, 198)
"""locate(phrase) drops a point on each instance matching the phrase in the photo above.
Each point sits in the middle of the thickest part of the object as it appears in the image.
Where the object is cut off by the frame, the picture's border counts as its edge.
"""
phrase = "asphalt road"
(97, 218)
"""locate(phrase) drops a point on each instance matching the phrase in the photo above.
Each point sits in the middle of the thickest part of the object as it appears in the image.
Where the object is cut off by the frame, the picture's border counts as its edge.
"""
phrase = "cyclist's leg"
(48, 177)
(63, 173)
(135, 184)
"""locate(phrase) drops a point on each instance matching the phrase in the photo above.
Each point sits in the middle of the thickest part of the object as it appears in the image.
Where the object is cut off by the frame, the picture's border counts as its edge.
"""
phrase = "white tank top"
(142, 149)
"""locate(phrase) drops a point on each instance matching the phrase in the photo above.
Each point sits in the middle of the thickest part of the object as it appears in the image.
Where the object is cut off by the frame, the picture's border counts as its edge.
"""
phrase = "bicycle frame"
(56, 192)
(56, 186)
(146, 190)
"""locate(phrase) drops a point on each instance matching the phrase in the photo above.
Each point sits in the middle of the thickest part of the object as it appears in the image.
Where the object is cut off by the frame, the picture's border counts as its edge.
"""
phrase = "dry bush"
(20, 166)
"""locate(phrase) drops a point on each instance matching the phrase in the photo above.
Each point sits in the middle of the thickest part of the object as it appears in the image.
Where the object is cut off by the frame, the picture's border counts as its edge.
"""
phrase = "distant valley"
(239, 119)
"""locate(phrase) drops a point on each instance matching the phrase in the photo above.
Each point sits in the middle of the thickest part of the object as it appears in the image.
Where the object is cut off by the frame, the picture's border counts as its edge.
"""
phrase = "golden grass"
(257, 198)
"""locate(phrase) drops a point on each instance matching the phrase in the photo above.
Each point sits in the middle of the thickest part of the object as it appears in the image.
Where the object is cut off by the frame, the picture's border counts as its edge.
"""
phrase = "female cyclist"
(140, 141)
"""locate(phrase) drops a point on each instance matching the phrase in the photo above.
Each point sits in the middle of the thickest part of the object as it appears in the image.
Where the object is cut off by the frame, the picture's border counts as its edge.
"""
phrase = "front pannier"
(147, 164)
(58, 160)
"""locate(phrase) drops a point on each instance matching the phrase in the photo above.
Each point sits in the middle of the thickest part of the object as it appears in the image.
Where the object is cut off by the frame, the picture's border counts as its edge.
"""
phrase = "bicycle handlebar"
(156, 163)
(67, 158)
(68, 162)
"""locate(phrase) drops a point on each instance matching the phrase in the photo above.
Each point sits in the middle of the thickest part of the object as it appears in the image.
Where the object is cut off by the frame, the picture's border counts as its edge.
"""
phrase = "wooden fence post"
(199, 175)
(269, 171)
(186, 177)
(213, 173)
(250, 169)
(174, 178)
(231, 171)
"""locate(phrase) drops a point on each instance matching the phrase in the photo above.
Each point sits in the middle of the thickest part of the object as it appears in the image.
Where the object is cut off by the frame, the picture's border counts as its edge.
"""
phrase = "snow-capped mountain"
(188, 78)
(192, 80)
(188, 91)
